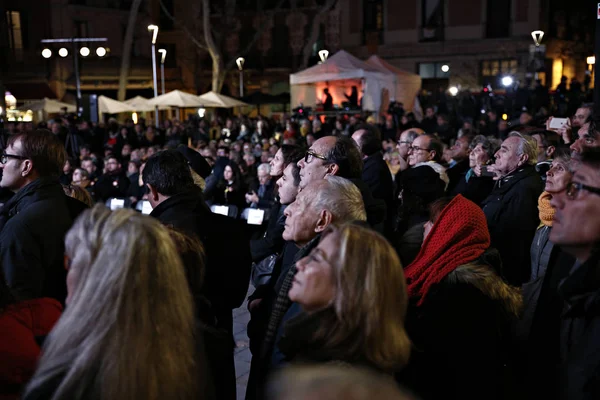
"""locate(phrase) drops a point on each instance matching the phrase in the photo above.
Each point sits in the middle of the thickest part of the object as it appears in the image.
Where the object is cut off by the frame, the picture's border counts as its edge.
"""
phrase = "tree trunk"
(213, 49)
(127, 42)
(314, 33)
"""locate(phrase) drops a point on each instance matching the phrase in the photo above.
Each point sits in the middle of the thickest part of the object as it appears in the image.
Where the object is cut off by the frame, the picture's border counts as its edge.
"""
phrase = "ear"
(550, 151)
(523, 159)
(432, 154)
(26, 168)
(325, 218)
(153, 192)
(332, 169)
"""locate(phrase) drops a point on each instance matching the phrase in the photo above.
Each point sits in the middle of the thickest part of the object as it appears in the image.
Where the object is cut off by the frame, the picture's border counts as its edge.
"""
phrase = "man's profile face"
(12, 177)
(581, 115)
(301, 219)
(419, 151)
(585, 139)
(315, 169)
(507, 158)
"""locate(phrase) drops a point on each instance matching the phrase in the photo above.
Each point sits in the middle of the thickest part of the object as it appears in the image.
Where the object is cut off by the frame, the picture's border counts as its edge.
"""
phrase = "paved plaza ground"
(241, 316)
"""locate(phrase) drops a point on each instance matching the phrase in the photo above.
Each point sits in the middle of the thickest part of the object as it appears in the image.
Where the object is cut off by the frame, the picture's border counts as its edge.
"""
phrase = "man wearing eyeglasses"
(340, 156)
(34, 221)
(576, 228)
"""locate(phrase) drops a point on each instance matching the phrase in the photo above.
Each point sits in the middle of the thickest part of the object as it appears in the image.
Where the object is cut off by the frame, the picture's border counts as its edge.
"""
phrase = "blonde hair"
(79, 193)
(371, 299)
(128, 330)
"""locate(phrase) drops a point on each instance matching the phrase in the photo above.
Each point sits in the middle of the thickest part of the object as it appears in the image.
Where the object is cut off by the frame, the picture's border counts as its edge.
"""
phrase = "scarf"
(459, 236)
(546, 210)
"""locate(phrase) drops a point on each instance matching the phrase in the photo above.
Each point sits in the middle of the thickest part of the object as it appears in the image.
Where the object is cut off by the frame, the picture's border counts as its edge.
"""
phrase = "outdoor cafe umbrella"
(106, 105)
(212, 99)
(177, 98)
(49, 106)
(142, 104)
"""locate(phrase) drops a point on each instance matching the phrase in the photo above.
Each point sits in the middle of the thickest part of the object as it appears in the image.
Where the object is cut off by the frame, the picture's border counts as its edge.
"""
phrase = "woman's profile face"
(314, 284)
(228, 173)
(557, 177)
(277, 164)
(478, 156)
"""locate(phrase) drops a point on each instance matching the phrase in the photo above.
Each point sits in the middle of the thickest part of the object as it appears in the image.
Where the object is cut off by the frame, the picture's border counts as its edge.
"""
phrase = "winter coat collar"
(581, 289)
(511, 179)
(40, 189)
(188, 200)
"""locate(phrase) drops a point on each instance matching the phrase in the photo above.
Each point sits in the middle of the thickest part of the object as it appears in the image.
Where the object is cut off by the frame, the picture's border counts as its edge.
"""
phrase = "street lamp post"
(163, 53)
(323, 55)
(537, 40)
(240, 63)
(154, 30)
(75, 49)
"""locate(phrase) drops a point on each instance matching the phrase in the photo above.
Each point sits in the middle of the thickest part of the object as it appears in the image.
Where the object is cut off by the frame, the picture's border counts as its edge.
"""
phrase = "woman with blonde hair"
(352, 292)
(128, 329)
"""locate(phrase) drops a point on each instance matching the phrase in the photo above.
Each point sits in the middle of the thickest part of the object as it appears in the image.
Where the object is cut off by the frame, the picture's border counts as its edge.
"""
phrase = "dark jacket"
(460, 336)
(227, 252)
(267, 200)
(378, 178)
(456, 173)
(109, 186)
(580, 332)
(511, 211)
(272, 241)
(33, 225)
(476, 189)
(375, 208)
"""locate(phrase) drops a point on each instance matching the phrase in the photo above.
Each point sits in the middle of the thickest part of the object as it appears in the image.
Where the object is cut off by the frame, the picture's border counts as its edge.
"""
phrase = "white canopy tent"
(217, 100)
(142, 104)
(48, 106)
(406, 85)
(110, 106)
(177, 98)
(339, 73)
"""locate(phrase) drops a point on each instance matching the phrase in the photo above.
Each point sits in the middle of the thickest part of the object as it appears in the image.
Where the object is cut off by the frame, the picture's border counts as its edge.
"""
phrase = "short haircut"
(562, 153)
(342, 198)
(488, 145)
(370, 141)
(292, 153)
(436, 145)
(549, 138)
(168, 172)
(412, 135)
(43, 148)
(527, 145)
(264, 167)
(347, 157)
(295, 173)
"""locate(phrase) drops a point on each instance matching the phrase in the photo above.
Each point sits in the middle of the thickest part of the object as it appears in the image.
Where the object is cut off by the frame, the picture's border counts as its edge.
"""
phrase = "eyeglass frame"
(313, 154)
(578, 186)
(4, 157)
(416, 148)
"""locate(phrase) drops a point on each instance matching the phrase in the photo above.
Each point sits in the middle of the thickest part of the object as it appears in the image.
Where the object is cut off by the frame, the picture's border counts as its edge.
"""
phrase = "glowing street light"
(445, 68)
(84, 51)
(591, 60)
(453, 90)
(46, 53)
(63, 52)
(101, 51)
(507, 81)
(163, 53)
(154, 30)
(240, 63)
(323, 55)
(537, 37)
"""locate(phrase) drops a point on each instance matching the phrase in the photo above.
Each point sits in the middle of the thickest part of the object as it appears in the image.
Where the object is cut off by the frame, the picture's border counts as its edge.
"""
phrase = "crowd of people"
(426, 259)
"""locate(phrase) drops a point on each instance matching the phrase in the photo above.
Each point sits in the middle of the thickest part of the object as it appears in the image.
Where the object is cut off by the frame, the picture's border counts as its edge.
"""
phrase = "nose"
(301, 264)
(576, 146)
(287, 212)
(301, 163)
(497, 154)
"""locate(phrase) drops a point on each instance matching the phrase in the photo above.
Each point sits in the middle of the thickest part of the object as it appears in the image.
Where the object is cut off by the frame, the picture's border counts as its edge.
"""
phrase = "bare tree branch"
(314, 34)
(182, 26)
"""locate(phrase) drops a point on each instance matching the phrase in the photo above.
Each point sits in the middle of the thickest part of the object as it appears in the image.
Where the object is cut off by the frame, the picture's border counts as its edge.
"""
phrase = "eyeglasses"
(4, 157)
(415, 149)
(573, 188)
(308, 157)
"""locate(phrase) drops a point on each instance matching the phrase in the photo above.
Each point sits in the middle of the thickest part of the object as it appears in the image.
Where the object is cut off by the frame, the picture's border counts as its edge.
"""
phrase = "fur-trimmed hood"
(485, 279)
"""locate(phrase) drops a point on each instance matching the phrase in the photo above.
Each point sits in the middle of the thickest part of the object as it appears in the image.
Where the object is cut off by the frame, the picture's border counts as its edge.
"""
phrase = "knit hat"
(459, 236)
(196, 161)
(423, 182)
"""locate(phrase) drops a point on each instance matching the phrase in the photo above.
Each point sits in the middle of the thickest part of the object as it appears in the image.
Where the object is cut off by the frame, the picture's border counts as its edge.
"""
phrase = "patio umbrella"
(177, 98)
(110, 106)
(49, 106)
(142, 104)
(212, 99)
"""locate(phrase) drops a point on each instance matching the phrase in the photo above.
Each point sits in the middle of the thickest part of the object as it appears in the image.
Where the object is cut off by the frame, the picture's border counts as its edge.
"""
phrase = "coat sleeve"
(21, 261)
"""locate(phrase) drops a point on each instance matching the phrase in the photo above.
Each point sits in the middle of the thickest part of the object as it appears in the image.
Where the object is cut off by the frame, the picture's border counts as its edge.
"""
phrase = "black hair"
(347, 157)
(292, 153)
(168, 172)
(370, 141)
(436, 145)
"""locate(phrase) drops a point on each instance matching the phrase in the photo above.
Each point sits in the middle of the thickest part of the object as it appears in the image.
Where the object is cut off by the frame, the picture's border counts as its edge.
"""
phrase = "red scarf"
(459, 236)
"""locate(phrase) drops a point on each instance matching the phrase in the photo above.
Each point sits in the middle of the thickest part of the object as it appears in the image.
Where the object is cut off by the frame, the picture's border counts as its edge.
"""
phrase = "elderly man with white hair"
(319, 205)
(511, 208)
(263, 196)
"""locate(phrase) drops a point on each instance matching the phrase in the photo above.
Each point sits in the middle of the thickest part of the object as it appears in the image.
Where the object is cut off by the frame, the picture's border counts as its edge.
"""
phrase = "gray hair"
(342, 198)
(489, 145)
(527, 145)
(266, 168)
(412, 135)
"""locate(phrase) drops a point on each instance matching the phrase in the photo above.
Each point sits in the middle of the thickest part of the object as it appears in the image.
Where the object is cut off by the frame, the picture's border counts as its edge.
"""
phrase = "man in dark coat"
(460, 161)
(511, 209)
(340, 156)
(34, 222)
(113, 183)
(376, 173)
(576, 228)
(177, 202)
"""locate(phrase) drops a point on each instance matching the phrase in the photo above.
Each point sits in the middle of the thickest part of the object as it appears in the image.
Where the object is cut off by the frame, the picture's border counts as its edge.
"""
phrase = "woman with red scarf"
(460, 310)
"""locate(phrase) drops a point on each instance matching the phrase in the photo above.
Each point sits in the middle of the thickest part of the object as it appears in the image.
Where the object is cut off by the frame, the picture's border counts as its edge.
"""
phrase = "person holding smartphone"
(477, 182)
